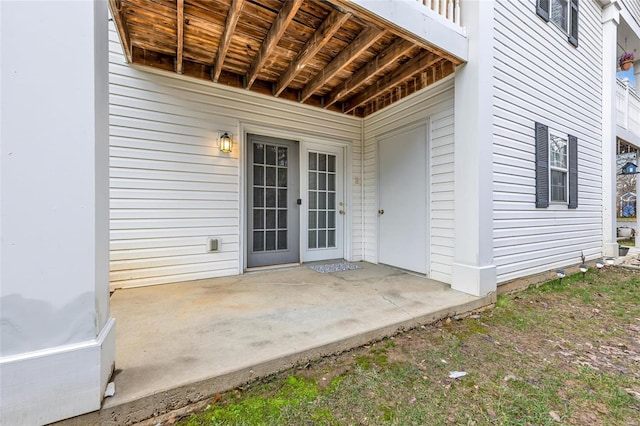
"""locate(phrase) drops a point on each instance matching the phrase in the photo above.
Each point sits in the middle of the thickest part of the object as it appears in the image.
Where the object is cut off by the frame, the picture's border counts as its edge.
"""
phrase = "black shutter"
(573, 23)
(542, 9)
(573, 172)
(542, 165)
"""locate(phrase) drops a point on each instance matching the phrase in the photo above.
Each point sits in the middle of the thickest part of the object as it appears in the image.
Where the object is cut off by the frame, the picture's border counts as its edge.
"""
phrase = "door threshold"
(271, 267)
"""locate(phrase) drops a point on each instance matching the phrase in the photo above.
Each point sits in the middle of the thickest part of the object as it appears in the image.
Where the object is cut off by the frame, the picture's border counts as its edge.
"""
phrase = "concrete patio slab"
(182, 343)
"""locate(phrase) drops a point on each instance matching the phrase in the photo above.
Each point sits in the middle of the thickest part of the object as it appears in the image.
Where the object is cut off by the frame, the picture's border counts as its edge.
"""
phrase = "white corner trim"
(475, 280)
(58, 383)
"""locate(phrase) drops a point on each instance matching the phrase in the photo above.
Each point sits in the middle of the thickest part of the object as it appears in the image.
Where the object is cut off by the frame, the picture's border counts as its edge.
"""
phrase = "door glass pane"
(322, 238)
(322, 200)
(258, 219)
(258, 175)
(271, 219)
(271, 176)
(282, 156)
(331, 201)
(312, 220)
(282, 198)
(312, 239)
(313, 200)
(322, 181)
(331, 238)
(282, 240)
(258, 153)
(322, 162)
(271, 197)
(258, 241)
(322, 219)
(282, 177)
(313, 180)
(313, 161)
(271, 155)
(331, 182)
(258, 197)
(331, 163)
(282, 219)
(270, 241)
(331, 219)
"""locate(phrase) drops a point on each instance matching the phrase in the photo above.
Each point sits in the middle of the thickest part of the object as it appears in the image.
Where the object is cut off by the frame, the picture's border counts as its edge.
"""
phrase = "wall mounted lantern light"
(225, 143)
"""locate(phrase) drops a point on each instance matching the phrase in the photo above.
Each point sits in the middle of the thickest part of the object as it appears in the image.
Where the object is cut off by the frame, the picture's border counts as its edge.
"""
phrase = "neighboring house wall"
(171, 188)
(434, 106)
(541, 77)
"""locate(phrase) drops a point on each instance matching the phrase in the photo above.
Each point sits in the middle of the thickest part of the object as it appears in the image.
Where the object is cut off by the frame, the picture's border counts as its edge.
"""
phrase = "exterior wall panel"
(540, 76)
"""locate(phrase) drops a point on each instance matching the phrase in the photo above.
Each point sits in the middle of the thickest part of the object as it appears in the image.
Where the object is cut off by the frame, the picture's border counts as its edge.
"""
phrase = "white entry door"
(323, 203)
(402, 218)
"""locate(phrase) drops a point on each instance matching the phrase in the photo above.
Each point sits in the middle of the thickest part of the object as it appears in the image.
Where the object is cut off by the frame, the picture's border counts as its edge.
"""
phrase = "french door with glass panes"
(273, 215)
(323, 203)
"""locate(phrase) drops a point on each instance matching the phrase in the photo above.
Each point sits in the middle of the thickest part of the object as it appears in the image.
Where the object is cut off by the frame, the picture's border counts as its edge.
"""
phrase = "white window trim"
(565, 137)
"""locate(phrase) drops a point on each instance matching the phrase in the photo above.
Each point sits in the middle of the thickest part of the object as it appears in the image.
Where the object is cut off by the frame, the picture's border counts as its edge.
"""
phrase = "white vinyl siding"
(633, 7)
(433, 105)
(559, 85)
(172, 188)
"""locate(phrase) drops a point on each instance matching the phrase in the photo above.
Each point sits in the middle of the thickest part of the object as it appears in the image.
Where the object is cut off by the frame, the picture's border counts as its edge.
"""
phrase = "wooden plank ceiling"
(322, 53)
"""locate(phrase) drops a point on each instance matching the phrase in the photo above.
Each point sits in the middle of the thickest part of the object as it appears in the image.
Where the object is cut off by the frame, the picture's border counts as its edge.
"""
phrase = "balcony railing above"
(628, 106)
(449, 9)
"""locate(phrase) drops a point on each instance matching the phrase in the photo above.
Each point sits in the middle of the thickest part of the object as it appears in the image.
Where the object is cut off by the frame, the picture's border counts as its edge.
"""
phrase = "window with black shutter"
(563, 14)
(556, 168)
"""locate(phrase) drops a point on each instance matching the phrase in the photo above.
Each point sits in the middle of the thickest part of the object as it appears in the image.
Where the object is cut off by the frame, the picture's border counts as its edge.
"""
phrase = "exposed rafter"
(419, 63)
(380, 62)
(323, 34)
(123, 30)
(180, 35)
(364, 40)
(330, 54)
(230, 27)
(284, 17)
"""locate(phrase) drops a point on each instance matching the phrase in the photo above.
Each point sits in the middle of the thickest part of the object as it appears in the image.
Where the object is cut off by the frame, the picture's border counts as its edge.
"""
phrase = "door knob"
(380, 211)
(341, 212)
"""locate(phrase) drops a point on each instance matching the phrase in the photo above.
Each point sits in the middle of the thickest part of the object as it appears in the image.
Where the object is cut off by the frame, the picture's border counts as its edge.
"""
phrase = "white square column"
(610, 20)
(473, 269)
(57, 339)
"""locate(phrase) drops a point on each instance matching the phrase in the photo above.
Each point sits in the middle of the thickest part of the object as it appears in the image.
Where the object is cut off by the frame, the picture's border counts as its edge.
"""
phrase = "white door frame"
(427, 162)
(245, 128)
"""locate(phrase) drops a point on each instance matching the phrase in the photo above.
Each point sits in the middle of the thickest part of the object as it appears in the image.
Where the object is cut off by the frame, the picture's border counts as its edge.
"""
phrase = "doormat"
(329, 268)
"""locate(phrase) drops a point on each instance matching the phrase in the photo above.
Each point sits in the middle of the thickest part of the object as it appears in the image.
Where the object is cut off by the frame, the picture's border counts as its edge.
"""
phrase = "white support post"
(626, 103)
(473, 269)
(610, 19)
(57, 339)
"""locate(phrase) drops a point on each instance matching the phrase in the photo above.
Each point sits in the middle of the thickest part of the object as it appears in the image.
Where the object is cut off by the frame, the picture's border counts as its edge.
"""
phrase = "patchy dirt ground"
(556, 354)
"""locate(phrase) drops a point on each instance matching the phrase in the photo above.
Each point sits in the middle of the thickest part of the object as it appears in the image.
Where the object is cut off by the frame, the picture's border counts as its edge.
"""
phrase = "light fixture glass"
(599, 264)
(225, 142)
(584, 268)
(610, 261)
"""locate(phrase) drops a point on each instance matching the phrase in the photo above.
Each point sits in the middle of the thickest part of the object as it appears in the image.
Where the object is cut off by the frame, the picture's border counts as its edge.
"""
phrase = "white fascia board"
(626, 15)
(423, 22)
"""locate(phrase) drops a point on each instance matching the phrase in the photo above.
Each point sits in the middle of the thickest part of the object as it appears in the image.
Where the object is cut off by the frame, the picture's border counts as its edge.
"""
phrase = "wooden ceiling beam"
(364, 40)
(320, 37)
(419, 63)
(121, 26)
(285, 16)
(384, 59)
(180, 35)
(225, 41)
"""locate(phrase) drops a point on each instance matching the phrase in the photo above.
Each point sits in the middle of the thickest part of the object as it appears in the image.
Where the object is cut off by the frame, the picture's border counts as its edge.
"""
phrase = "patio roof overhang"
(329, 54)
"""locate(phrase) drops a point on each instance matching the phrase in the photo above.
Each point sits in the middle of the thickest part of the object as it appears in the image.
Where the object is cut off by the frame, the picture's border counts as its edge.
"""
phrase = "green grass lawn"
(555, 354)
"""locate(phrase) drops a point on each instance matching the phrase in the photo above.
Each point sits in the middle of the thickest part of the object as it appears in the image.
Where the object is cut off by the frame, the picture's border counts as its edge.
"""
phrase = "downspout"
(362, 203)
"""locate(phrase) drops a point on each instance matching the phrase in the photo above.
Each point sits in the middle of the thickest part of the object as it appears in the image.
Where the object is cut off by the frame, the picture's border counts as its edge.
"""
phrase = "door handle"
(381, 212)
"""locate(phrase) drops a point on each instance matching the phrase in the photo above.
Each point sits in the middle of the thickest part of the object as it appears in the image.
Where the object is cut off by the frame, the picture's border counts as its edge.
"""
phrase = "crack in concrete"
(385, 298)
